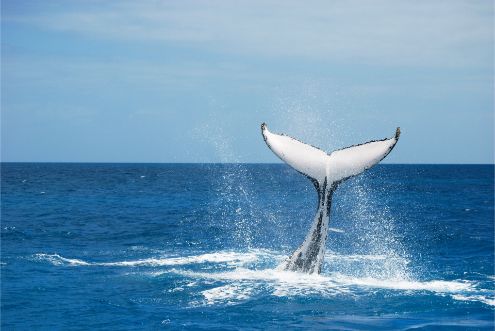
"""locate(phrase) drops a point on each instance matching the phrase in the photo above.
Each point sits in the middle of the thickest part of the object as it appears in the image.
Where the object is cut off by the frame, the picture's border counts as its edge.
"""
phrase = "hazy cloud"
(446, 33)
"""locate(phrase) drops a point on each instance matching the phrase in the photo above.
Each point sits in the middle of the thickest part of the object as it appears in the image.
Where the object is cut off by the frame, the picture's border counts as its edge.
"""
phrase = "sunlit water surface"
(191, 246)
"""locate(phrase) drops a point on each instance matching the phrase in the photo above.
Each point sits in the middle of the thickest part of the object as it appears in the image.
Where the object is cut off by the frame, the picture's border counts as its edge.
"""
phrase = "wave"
(245, 277)
(58, 260)
(330, 280)
(231, 258)
(481, 298)
(243, 283)
(438, 286)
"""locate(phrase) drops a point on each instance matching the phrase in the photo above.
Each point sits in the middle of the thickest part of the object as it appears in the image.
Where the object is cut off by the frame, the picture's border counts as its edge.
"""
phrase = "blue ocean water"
(196, 246)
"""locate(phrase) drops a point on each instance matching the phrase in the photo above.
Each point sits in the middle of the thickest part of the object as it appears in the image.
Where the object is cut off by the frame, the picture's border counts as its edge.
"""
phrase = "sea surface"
(196, 246)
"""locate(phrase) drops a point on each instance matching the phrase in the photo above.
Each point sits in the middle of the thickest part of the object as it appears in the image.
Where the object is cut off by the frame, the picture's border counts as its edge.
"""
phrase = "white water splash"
(243, 282)
(324, 284)
(228, 294)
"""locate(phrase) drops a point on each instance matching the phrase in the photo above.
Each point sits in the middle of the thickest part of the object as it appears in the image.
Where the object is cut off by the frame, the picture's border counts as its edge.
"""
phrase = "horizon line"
(212, 163)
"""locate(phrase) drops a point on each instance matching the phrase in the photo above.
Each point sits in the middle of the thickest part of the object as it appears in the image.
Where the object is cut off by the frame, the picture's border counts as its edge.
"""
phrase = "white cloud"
(428, 33)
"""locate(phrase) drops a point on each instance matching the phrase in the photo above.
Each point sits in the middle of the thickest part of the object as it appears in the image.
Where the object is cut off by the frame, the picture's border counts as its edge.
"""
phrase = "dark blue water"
(182, 246)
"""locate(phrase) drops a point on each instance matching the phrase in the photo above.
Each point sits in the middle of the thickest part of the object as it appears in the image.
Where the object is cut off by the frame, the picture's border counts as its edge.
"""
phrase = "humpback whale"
(326, 171)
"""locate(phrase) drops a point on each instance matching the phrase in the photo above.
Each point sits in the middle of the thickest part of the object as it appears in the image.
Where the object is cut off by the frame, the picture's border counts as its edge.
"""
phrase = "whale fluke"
(326, 171)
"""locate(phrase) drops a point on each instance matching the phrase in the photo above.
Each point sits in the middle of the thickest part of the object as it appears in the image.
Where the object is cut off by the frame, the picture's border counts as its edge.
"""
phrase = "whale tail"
(326, 171)
(336, 166)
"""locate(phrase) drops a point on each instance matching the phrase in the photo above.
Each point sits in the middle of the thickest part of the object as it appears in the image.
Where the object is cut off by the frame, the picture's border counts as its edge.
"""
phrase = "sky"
(191, 81)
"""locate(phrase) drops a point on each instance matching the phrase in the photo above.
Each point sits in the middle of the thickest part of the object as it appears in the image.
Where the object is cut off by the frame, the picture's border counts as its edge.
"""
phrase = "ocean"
(196, 246)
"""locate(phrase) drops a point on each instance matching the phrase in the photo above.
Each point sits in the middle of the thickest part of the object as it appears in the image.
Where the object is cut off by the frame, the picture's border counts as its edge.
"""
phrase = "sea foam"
(241, 281)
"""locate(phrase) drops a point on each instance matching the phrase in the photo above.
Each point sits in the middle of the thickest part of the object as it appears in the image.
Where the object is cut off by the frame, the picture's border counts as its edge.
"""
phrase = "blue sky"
(191, 81)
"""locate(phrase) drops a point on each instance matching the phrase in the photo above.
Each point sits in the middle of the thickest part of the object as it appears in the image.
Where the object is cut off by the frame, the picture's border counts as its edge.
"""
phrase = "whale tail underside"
(335, 166)
(326, 171)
